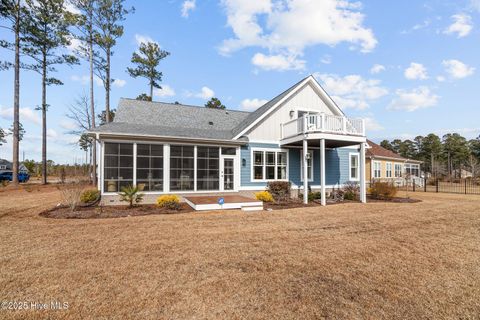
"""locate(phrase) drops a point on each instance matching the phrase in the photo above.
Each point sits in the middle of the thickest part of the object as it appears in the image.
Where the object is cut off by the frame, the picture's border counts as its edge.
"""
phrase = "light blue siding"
(336, 165)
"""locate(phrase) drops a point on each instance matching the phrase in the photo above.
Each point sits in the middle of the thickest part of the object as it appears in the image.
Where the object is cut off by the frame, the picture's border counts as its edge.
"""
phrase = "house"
(173, 148)
(383, 164)
(7, 166)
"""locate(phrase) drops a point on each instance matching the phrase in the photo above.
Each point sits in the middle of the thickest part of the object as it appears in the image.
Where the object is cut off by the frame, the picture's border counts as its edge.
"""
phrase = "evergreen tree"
(456, 151)
(144, 97)
(47, 34)
(386, 144)
(146, 63)
(106, 18)
(214, 103)
(2, 137)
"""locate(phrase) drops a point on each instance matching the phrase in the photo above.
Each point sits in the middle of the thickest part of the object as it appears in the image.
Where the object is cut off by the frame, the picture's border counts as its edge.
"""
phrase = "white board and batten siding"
(305, 99)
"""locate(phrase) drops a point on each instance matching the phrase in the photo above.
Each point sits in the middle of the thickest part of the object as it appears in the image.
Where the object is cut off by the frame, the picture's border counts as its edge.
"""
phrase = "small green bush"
(280, 190)
(351, 191)
(314, 196)
(264, 196)
(131, 194)
(382, 190)
(169, 201)
(89, 196)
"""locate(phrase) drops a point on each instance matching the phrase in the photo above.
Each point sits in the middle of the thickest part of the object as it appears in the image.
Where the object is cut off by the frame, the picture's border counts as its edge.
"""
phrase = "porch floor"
(230, 202)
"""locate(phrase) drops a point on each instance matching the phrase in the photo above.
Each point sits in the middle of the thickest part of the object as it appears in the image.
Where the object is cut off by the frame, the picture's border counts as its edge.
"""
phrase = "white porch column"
(322, 172)
(363, 189)
(99, 168)
(305, 171)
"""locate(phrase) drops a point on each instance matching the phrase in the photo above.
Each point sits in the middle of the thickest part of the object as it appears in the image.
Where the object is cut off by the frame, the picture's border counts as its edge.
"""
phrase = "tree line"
(442, 157)
(42, 30)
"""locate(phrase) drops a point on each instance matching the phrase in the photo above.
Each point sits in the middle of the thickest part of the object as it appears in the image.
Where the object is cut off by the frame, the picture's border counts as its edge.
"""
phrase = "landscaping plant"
(382, 190)
(170, 202)
(264, 196)
(131, 194)
(90, 195)
(280, 190)
(351, 191)
(71, 196)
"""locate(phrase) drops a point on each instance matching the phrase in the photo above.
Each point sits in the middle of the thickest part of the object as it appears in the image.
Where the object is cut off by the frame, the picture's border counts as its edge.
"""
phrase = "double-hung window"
(398, 170)
(354, 160)
(388, 169)
(269, 165)
(377, 169)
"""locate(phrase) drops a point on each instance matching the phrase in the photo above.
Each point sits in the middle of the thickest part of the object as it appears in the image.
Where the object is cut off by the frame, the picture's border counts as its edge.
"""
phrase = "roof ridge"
(183, 105)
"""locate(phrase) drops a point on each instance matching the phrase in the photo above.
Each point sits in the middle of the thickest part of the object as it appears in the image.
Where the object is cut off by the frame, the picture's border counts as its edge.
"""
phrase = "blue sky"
(408, 67)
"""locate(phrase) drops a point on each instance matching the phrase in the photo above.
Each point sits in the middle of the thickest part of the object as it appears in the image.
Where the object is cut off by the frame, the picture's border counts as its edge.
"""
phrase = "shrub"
(382, 190)
(264, 196)
(280, 190)
(170, 202)
(71, 196)
(351, 191)
(90, 195)
(314, 196)
(131, 194)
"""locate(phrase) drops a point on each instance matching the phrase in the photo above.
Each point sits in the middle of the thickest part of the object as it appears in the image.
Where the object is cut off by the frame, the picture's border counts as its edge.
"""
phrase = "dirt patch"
(100, 212)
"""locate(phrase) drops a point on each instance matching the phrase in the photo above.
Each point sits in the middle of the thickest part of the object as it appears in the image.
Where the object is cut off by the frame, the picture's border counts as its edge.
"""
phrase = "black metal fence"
(463, 186)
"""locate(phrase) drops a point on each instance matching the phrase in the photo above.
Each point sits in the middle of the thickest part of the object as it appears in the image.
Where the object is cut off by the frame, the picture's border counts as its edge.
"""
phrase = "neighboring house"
(173, 148)
(383, 164)
(7, 166)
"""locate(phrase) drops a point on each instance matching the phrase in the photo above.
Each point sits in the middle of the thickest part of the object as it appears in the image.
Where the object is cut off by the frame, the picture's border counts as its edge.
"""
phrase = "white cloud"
(25, 114)
(352, 91)
(441, 79)
(277, 62)
(326, 59)
(71, 7)
(166, 91)
(416, 71)
(377, 68)
(288, 27)
(52, 133)
(139, 39)
(457, 69)
(417, 98)
(372, 125)
(119, 83)
(252, 104)
(187, 6)
(205, 94)
(461, 26)
(84, 80)
(68, 124)
(74, 45)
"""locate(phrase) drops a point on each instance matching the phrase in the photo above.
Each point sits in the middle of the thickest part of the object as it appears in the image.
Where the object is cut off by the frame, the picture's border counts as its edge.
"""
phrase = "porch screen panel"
(182, 168)
(208, 168)
(150, 167)
(118, 167)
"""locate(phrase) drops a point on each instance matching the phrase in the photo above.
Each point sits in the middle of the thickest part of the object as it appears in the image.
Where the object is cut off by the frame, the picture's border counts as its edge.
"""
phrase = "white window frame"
(375, 169)
(350, 155)
(3, 167)
(265, 150)
(395, 171)
(388, 170)
(310, 172)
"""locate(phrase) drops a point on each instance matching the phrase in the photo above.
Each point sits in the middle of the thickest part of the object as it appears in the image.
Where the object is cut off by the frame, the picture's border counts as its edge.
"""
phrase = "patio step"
(252, 208)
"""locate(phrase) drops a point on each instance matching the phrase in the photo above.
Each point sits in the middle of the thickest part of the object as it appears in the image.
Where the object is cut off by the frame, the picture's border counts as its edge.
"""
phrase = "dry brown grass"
(351, 261)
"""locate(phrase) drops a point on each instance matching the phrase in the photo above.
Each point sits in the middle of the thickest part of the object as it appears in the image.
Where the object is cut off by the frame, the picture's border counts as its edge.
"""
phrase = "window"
(377, 169)
(118, 167)
(398, 170)
(3, 167)
(269, 165)
(388, 172)
(182, 168)
(309, 165)
(150, 167)
(229, 151)
(208, 168)
(412, 169)
(354, 166)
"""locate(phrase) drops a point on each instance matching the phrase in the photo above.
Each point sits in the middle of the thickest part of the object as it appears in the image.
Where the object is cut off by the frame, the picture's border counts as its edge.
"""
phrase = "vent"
(210, 123)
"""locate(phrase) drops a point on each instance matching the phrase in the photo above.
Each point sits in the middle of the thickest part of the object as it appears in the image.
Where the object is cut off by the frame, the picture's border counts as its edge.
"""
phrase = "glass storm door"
(228, 174)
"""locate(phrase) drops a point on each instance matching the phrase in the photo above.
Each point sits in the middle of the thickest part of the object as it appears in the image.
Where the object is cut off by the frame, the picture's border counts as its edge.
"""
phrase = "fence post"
(414, 185)
(465, 186)
(425, 184)
(436, 185)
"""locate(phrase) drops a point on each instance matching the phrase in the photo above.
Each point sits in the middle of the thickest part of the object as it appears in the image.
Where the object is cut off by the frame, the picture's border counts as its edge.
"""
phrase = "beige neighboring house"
(383, 164)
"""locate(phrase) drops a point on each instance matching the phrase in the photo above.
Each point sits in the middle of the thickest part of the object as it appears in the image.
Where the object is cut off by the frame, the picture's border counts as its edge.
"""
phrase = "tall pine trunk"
(44, 120)
(151, 92)
(107, 88)
(16, 98)
(92, 112)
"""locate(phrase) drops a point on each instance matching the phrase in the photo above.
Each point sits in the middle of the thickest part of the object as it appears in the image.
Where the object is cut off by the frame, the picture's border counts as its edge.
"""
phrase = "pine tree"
(146, 63)
(47, 33)
(214, 103)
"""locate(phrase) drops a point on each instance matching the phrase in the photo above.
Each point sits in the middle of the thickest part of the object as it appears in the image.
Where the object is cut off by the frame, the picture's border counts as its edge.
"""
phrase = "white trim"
(166, 168)
(134, 182)
(310, 150)
(374, 169)
(322, 173)
(355, 140)
(350, 154)
(387, 164)
(310, 79)
(266, 149)
(195, 160)
(102, 167)
(363, 186)
(170, 139)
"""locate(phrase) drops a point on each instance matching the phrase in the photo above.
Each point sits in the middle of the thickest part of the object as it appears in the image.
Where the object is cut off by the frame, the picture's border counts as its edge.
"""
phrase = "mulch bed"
(100, 212)
(395, 200)
(289, 205)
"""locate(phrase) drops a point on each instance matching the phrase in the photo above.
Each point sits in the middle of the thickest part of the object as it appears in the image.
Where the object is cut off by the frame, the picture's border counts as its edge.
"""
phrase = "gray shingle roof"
(136, 117)
(172, 120)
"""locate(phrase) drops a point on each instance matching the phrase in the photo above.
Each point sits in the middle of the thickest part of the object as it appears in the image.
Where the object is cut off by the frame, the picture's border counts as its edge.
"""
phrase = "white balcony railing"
(323, 123)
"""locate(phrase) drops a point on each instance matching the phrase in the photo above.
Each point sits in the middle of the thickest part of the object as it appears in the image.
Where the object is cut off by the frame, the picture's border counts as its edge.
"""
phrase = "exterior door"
(228, 173)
